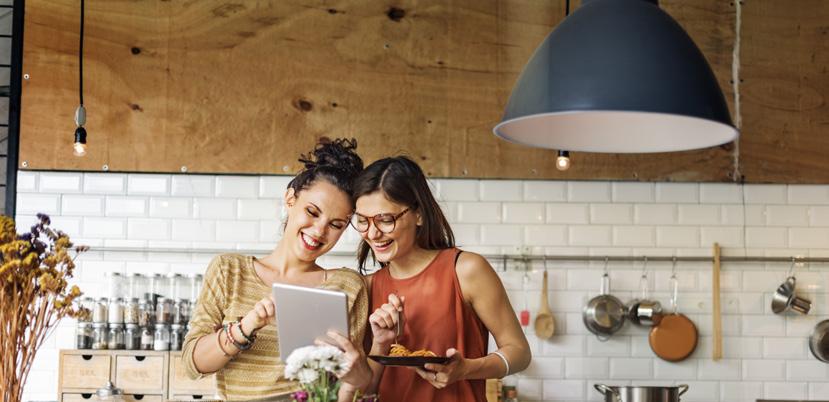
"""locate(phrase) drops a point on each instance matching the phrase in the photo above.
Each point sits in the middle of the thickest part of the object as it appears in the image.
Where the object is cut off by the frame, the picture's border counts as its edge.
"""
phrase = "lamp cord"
(567, 8)
(735, 85)
(80, 56)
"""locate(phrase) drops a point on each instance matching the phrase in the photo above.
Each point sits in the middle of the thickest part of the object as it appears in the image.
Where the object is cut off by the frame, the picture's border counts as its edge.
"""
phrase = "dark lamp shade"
(617, 76)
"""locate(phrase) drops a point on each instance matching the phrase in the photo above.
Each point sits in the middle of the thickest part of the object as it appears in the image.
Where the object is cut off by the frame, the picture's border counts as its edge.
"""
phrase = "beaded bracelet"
(240, 346)
(250, 338)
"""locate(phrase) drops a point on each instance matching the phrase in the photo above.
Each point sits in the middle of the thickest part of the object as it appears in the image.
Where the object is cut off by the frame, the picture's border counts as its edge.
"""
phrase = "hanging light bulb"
(79, 147)
(80, 141)
(563, 160)
(80, 132)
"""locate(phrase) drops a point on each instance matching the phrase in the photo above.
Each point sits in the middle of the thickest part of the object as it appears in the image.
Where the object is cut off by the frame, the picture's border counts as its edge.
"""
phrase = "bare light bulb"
(79, 146)
(563, 160)
(80, 149)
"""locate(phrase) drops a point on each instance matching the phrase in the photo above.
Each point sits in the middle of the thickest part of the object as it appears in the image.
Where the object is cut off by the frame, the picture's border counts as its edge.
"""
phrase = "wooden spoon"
(545, 326)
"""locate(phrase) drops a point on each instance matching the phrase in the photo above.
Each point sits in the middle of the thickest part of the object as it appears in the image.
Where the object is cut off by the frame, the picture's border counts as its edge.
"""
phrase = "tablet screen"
(304, 314)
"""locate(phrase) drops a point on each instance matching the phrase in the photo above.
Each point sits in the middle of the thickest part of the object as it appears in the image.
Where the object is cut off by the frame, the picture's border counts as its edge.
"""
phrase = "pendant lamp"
(617, 76)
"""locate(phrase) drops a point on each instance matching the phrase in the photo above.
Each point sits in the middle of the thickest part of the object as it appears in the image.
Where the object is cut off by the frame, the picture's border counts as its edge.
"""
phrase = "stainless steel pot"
(604, 315)
(819, 341)
(641, 394)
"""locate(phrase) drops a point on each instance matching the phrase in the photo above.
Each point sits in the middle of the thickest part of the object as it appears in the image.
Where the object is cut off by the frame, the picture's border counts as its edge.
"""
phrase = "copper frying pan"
(675, 338)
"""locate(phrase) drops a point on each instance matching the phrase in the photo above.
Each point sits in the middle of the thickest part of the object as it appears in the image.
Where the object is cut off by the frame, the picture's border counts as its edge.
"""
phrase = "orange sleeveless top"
(437, 318)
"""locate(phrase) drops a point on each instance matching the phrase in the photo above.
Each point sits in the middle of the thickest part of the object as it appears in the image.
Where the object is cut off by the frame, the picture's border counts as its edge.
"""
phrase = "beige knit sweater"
(231, 289)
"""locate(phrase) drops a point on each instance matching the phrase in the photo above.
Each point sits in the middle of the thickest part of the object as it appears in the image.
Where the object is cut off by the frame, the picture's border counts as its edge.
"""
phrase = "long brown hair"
(402, 181)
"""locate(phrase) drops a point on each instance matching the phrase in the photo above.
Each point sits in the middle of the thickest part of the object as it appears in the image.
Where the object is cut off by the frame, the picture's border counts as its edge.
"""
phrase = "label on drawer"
(137, 375)
(85, 371)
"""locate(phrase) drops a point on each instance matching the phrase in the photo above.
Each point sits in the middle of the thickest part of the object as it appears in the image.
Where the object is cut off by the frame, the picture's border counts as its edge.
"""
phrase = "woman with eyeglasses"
(451, 299)
(232, 331)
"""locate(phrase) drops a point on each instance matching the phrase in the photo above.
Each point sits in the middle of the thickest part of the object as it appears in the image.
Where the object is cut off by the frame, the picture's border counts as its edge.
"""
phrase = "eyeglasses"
(383, 222)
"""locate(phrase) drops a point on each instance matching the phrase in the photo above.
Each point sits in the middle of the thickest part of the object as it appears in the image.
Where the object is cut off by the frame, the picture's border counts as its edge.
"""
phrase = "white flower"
(308, 375)
(307, 363)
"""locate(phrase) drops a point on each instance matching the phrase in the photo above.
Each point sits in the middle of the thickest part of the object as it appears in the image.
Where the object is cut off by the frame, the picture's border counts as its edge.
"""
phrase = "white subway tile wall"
(766, 355)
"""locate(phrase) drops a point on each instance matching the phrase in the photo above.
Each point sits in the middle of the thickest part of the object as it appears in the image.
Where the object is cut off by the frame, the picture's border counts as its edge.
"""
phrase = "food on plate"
(398, 350)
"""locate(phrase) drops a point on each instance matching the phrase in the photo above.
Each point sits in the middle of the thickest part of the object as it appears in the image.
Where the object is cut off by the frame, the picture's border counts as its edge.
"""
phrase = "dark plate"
(413, 361)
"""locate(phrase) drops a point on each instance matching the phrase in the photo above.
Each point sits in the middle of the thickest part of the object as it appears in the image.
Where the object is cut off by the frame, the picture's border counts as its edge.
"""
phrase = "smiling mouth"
(309, 242)
(381, 246)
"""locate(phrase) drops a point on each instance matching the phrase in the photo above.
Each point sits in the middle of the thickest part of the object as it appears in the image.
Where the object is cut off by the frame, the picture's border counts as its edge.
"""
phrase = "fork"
(401, 320)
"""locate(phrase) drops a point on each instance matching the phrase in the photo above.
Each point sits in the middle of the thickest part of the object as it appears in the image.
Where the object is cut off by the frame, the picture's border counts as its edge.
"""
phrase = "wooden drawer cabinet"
(183, 388)
(141, 374)
(145, 376)
(128, 398)
(84, 371)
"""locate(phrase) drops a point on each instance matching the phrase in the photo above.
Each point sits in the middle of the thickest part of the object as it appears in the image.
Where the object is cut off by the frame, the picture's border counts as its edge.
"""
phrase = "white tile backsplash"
(143, 184)
(766, 355)
(541, 191)
(502, 190)
(105, 183)
(63, 183)
(585, 191)
(237, 187)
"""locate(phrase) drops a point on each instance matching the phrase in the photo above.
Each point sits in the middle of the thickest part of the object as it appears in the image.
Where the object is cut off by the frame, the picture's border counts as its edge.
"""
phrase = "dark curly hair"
(334, 161)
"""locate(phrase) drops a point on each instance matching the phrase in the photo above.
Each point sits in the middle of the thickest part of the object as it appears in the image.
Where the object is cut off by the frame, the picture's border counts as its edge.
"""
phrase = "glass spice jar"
(176, 337)
(99, 313)
(181, 312)
(132, 337)
(161, 339)
(147, 338)
(83, 335)
(88, 304)
(164, 311)
(146, 313)
(116, 337)
(115, 312)
(131, 311)
(100, 336)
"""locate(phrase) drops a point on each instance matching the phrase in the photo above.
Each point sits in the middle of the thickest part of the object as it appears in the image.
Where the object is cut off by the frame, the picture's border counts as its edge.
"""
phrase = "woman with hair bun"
(232, 331)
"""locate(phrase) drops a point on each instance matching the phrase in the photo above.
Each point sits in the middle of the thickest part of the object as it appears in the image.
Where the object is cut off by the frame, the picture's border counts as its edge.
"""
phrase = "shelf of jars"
(141, 312)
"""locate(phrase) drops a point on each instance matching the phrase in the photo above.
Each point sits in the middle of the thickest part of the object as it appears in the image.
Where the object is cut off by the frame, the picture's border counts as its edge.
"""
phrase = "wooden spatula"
(545, 326)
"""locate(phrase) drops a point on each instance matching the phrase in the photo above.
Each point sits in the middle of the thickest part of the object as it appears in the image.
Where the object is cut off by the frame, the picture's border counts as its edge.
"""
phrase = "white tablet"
(305, 314)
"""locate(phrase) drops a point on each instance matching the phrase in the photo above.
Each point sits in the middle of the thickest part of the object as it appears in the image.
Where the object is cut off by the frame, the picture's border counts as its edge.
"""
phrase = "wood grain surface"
(224, 86)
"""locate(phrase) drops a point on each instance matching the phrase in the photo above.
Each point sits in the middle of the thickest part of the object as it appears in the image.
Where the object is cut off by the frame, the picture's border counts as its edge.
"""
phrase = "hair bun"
(339, 154)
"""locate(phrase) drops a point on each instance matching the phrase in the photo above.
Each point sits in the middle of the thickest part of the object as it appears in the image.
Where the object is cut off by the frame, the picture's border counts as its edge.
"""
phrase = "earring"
(283, 213)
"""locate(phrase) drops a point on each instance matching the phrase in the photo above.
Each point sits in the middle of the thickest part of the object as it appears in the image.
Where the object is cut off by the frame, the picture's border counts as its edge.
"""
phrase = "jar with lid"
(116, 337)
(164, 311)
(131, 311)
(176, 336)
(510, 393)
(146, 313)
(155, 287)
(99, 313)
(137, 285)
(132, 337)
(181, 312)
(83, 335)
(116, 285)
(161, 339)
(116, 311)
(146, 338)
(88, 304)
(100, 336)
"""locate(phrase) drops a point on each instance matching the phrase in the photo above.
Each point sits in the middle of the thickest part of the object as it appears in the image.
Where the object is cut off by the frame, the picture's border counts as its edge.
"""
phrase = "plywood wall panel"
(222, 86)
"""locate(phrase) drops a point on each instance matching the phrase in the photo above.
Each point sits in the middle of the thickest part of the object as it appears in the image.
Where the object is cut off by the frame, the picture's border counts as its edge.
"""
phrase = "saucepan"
(604, 315)
(641, 394)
